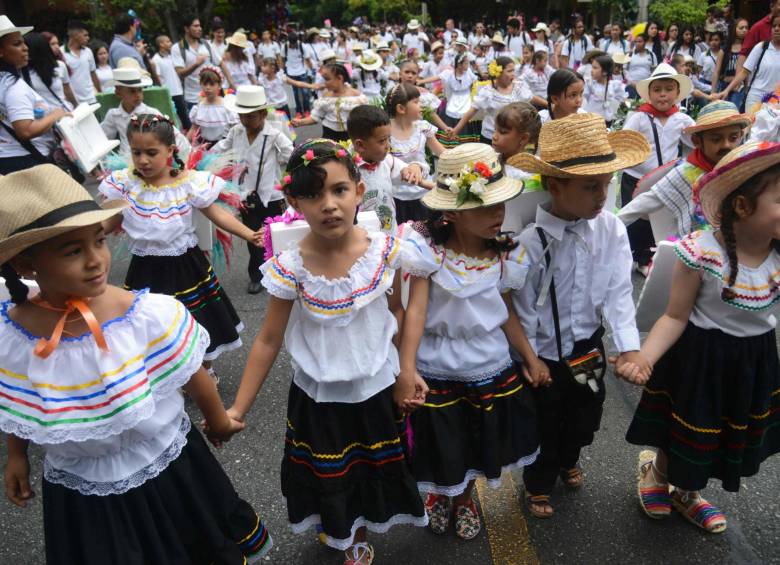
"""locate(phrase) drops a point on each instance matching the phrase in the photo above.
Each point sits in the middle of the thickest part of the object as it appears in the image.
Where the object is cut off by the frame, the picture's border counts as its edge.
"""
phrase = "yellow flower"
(495, 70)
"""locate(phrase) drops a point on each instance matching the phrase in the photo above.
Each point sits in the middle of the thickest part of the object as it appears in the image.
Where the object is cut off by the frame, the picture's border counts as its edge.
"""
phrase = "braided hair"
(163, 130)
(440, 231)
(750, 190)
(13, 282)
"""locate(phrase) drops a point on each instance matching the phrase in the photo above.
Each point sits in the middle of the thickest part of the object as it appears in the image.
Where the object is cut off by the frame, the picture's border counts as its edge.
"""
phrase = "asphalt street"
(602, 523)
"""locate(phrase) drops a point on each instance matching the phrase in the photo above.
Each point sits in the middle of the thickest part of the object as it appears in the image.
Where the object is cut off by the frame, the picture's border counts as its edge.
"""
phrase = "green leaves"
(684, 12)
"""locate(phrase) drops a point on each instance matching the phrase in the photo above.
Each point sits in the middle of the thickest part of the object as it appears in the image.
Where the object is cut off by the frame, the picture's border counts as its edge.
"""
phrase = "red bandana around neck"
(368, 165)
(698, 159)
(655, 112)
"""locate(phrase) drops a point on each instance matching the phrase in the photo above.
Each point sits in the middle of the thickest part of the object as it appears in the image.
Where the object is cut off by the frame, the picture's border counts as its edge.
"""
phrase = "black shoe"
(255, 287)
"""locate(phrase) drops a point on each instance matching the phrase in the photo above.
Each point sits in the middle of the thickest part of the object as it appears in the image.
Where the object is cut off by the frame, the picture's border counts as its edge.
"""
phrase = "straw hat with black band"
(247, 99)
(493, 187)
(41, 203)
(737, 167)
(580, 145)
(719, 114)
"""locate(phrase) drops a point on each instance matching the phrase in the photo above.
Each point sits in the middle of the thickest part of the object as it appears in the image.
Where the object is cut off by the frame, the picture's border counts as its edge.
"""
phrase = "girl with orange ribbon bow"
(100, 393)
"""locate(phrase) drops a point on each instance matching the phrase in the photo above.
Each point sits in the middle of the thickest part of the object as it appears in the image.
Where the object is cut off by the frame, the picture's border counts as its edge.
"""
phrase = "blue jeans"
(301, 95)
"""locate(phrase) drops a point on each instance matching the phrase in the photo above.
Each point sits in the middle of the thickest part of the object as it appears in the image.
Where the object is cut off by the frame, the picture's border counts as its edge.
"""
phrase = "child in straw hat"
(478, 419)
(575, 265)
(719, 128)
(125, 474)
(709, 367)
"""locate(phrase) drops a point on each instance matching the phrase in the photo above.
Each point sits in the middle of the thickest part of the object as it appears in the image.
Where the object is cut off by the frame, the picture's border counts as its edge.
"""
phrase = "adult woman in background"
(726, 67)
(47, 76)
(26, 138)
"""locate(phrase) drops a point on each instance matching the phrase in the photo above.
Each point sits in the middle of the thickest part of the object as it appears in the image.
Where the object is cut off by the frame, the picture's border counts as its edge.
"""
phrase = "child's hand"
(633, 367)
(219, 436)
(403, 391)
(420, 392)
(17, 480)
(295, 122)
(412, 174)
(452, 133)
(537, 372)
(258, 237)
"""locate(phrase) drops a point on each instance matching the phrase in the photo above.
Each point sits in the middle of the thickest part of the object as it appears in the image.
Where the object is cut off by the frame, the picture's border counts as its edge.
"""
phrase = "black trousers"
(182, 111)
(567, 415)
(254, 218)
(640, 234)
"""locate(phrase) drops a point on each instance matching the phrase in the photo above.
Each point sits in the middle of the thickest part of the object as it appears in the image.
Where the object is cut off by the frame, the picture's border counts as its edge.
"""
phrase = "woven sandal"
(439, 509)
(539, 500)
(572, 478)
(654, 497)
(699, 512)
(359, 554)
(467, 522)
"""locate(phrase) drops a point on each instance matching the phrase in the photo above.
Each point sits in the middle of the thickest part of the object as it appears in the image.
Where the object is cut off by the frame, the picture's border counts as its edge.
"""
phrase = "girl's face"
(596, 70)
(764, 219)
(615, 32)
(409, 74)
(742, 29)
(528, 54)
(639, 43)
(652, 30)
(331, 212)
(210, 89)
(54, 43)
(75, 263)
(413, 109)
(579, 28)
(463, 65)
(332, 81)
(570, 101)
(484, 222)
(714, 43)
(438, 55)
(151, 157)
(13, 50)
(673, 31)
(508, 141)
(219, 35)
(687, 36)
(507, 75)
(102, 57)
(541, 63)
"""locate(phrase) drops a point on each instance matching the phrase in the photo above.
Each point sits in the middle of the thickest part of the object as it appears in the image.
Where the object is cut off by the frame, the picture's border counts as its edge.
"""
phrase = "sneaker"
(467, 522)
(438, 508)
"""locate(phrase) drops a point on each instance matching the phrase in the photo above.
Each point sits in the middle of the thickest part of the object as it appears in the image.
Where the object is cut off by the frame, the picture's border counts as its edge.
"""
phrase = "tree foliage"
(684, 12)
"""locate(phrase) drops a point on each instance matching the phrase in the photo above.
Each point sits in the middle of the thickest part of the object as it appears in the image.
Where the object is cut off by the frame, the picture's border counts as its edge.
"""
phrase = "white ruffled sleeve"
(418, 258)
(204, 188)
(427, 128)
(689, 251)
(279, 277)
(517, 264)
(115, 185)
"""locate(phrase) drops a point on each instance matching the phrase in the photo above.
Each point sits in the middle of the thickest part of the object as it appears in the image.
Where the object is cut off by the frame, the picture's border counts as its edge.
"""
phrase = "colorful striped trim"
(656, 500)
(484, 400)
(706, 515)
(258, 542)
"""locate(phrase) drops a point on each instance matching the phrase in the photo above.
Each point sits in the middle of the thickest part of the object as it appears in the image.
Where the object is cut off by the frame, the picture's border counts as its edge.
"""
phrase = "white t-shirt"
(514, 43)
(295, 58)
(274, 89)
(575, 50)
(641, 66)
(54, 94)
(707, 62)
(17, 102)
(613, 47)
(416, 41)
(105, 75)
(192, 80)
(81, 67)
(167, 73)
(767, 72)
(240, 71)
(270, 50)
(218, 48)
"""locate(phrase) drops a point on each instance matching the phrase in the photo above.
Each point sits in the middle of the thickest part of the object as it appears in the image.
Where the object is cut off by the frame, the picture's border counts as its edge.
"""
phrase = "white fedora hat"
(413, 24)
(129, 76)
(665, 71)
(327, 54)
(248, 98)
(7, 26)
(541, 26)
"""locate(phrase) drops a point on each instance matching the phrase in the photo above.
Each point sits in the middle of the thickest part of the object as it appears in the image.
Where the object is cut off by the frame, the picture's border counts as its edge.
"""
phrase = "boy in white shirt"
(81, 62)
(264, 150)
(369, 130)
(163, 63)
(573, 268)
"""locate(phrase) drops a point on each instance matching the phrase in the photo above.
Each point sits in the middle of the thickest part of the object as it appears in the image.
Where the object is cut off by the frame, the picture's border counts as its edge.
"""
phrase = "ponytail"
(16, 288)
(177, 160)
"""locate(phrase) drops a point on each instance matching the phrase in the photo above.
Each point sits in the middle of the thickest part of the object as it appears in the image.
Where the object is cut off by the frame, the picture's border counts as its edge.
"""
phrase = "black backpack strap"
(656, 140)
(764, 47)
(553, 297)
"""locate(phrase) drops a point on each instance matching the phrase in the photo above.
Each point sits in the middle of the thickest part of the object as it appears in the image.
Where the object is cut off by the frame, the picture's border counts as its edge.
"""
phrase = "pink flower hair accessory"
(288, 217)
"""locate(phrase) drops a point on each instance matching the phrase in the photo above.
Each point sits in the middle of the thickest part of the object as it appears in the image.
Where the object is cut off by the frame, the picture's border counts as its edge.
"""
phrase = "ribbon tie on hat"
(45, 347)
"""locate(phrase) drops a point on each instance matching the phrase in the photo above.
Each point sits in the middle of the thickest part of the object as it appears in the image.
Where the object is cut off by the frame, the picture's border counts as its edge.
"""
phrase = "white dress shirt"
(115, 127)
(591, 261)
(670, 135)
(167, 73)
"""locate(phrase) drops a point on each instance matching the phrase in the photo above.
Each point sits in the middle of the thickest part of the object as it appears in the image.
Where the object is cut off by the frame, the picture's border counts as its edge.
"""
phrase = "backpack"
(764, 47)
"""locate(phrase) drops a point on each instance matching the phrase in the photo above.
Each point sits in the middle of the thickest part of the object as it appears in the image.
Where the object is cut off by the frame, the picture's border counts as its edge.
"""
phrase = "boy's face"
(663, 93)
(129, 97)
(164, 43)
(374, 148)
(716, 143)
(253, 121)
(79, 36)
(580, 197)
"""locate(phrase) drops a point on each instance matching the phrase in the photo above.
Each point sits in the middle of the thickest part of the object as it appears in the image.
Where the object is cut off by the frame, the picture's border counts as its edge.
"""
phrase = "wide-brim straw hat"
(369, 60)
(737, 167)
(719, 114)
(238, 39)
(413, 25)
(437, 45)
(499, 187)
(621, 58)
(498, 38)
(580, 145)
(130, 76)
(43, 202)
(541, 26)
(327, 54)
(665, 71)
(247, 99)
(7, 26)
(382, 46)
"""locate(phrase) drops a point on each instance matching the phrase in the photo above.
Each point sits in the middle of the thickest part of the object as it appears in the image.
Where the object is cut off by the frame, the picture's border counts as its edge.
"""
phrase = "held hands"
(633, 367)
(296, 122)
(17, 480)
(412, 174)
(234, 424)
(536, 372)
(409, 394)
(452, 133)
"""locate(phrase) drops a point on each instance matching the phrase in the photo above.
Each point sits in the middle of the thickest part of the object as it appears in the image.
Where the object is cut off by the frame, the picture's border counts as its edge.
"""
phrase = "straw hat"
(541, 26)
(327, 54)
(44, 202)
(738, 166)
(413, 25)
(461, 41)
(449, 169)
(382, 46)
(719, 114)
(238, 39)
(497, 38)
(437, 45)
(580, 145)
(130, 76)
(247, 99)
(665, 71)
(369, 60)
(324, 33)
(621, 58)
(7, 26)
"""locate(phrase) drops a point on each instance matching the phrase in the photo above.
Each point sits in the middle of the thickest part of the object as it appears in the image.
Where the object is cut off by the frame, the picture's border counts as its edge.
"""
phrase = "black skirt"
(190, 279)
(712, 405)
(410, 211)
(468, 430)
(470, 133)
(344, 468)
(334, 135)
(188, 514)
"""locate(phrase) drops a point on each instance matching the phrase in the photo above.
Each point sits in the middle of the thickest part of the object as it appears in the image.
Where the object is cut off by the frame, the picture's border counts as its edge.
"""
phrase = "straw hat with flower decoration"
(737, 167)
(580, 145)
(719, 114)
(470, 176)
(41, 203)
